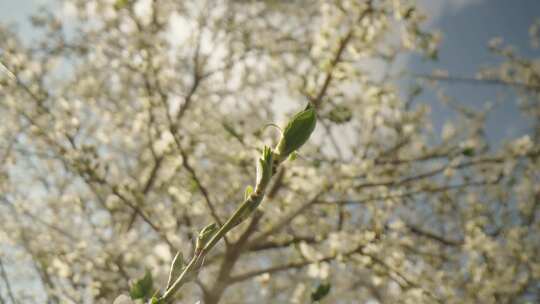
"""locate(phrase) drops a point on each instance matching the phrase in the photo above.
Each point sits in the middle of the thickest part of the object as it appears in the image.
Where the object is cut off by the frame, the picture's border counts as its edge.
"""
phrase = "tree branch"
(4, 275)
(200, 186)
(286, 220)
(277, 245)
(478, 81)
(293, 265)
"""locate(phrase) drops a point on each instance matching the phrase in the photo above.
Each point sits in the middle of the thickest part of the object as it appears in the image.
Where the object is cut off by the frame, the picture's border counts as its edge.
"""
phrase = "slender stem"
(191, 267)
(241, 213)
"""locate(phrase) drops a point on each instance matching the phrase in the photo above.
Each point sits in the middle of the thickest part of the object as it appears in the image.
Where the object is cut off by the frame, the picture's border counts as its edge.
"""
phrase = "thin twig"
(200, 185)
(478, 81)
(145, 218)
(6, 281)
(293, 265)
(286, 220)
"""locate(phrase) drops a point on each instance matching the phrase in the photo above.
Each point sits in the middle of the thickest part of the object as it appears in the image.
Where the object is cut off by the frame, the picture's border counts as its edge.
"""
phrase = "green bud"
(247, 193)
(293, 156)
(297, 131)
(264, 167)
(205, 235)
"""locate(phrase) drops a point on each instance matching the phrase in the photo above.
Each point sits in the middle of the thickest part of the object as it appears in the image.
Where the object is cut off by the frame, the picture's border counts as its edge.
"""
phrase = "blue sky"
(467, 26)
(18, 11)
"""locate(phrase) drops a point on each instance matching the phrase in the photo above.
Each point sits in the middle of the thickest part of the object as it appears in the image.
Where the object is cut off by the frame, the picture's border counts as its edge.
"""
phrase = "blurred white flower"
(522, 145)
(123, 299)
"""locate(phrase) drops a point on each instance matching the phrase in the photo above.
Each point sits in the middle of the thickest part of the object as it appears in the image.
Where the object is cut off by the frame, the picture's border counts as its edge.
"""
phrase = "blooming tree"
(130, 126)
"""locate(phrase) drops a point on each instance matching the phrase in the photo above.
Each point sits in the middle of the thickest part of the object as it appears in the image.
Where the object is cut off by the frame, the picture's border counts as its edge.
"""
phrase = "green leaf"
(120, 4)
(469, 151)
(177, 266)
(264, 167)
(247, 193)
(297, 131)
(415, 91)
(320, 292)
(155, 298)
(142, 288)
(434, 55)
(340, 114)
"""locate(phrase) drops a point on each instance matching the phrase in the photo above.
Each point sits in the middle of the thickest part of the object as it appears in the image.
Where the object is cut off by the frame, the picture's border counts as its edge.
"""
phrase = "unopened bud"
(297, 131)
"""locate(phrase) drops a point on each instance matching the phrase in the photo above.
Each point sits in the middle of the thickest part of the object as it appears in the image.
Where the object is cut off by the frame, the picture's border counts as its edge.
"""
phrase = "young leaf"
(142, 288)
(176, 268)
(468, 151)
(293, 156)
(340, 114)
(297, 131)
(247, 193)
(264, 167)
(320, 292)
(205, 235)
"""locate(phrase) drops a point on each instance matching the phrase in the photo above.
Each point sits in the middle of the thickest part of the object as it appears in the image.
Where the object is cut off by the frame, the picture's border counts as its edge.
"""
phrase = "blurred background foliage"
(128, 126)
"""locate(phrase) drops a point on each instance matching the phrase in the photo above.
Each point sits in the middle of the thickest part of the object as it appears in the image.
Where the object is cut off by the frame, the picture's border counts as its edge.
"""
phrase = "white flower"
(448, 131)
(309, 252)
(298, 292)
(522, 145)
(495, 42)
(123, 299)
(318, 270)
